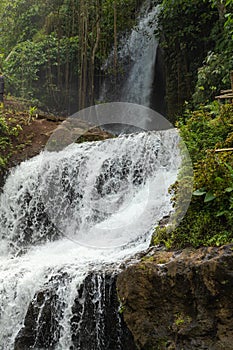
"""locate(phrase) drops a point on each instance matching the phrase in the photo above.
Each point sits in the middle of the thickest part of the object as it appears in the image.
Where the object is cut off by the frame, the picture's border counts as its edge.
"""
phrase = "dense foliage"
(53, 50)
(9, 129)
(197, 40)
(208, 133)
(214, 74)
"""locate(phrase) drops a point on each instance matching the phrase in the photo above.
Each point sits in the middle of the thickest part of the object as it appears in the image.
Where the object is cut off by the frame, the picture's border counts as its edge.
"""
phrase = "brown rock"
(180, 300)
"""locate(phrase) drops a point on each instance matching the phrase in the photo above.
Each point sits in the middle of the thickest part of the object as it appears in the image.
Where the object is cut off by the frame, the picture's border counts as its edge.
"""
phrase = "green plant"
(212, 77)
(32, 110)
(185, 29)
(181, 320)
(209, 219)
(121, 309)
(8, 131)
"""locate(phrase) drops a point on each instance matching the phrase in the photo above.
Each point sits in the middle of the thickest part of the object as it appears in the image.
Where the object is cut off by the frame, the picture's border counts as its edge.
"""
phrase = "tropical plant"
(208, 133)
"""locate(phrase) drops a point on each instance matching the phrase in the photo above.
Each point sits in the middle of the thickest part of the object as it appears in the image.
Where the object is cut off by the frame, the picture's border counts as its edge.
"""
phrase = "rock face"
(41, 329)
(96, 323)
(180, 300)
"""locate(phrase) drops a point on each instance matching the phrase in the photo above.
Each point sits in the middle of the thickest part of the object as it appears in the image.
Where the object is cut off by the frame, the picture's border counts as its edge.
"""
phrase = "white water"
(136, 54)
(87, 208)
(106, 195)
(141, 47)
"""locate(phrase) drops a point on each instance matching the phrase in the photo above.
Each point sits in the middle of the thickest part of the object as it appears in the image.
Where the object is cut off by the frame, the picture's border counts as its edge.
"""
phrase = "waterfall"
(72, 216)
(141, 48)
(136, 58)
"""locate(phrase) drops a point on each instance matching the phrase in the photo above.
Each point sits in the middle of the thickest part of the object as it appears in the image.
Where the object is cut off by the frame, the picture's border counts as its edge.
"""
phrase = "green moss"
(181, 321)
(142, 266)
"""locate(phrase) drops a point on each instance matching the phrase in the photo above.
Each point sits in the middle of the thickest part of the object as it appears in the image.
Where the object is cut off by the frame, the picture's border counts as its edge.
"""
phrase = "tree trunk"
(115, 38)
(95, 47)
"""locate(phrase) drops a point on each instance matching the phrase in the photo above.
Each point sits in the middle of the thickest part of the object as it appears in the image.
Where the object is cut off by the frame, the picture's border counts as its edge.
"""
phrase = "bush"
(7, 131)
(209, 219)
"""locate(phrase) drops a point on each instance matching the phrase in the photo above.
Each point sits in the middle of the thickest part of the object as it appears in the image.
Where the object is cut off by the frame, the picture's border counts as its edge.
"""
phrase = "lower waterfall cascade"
(73, 216)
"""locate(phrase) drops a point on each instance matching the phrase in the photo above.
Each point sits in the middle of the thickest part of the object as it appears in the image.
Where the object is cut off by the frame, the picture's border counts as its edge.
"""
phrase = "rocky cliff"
(180, 300)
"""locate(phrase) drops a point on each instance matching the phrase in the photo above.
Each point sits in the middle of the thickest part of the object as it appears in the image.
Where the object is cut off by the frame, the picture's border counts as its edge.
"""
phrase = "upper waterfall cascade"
(136, 56)
(141, 47)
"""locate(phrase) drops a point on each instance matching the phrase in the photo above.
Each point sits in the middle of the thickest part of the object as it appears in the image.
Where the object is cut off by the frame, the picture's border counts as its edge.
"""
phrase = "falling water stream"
(136, 57)
(141, 47)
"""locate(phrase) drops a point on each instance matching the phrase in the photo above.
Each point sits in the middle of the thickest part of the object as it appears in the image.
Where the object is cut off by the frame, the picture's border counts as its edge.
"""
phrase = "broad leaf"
(199, 192)
(209, 197)
(229, 189)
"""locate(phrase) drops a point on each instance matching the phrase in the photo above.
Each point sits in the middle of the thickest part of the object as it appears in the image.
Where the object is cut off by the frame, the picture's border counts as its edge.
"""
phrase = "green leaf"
(219, 179)
(199, 192)
(229, 189)
(209, 197)
(229, 168)
(221, 213)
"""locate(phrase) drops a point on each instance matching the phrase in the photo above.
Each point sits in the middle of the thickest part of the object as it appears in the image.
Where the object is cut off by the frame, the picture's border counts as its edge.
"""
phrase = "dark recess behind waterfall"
(158, 91)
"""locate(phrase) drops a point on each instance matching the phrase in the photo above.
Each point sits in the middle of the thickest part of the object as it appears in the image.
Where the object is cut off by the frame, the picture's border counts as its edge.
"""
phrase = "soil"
(32, 139)
(37, 127)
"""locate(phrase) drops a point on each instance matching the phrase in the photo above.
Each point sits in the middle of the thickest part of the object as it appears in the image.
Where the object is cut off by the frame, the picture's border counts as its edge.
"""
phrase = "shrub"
(209, 219)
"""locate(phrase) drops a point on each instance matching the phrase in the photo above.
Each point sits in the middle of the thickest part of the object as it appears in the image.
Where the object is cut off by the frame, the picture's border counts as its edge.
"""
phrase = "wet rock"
(180, 300)
(96, 323)
(41, 329)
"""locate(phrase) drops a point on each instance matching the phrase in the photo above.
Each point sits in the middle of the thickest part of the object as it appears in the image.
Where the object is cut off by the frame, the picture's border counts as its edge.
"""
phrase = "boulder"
(180, 299)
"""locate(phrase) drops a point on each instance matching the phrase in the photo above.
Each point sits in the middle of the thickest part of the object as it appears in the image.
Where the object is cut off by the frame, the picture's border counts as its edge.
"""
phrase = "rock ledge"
(180, 299)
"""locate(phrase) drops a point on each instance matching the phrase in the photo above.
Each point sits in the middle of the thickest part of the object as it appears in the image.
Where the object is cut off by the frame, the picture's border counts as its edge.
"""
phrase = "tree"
(185, 29)
(52, 50)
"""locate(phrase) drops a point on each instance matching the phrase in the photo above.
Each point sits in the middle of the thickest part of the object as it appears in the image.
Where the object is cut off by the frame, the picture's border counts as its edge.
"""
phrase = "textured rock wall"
(180, 300)
(96, 323)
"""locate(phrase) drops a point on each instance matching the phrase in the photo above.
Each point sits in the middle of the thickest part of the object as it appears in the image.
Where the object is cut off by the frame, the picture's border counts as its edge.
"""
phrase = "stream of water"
(136, 57)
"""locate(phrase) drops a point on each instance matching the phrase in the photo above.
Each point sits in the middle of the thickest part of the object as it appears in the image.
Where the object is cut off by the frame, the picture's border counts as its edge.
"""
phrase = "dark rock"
(180, 300)
(41, 329)
(158, 101)
(96, 323)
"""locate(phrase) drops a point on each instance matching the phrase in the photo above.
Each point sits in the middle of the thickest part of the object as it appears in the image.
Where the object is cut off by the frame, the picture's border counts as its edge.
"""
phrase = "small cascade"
(140, 48)
(95, 322)
(69, 219)
(136, 57)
